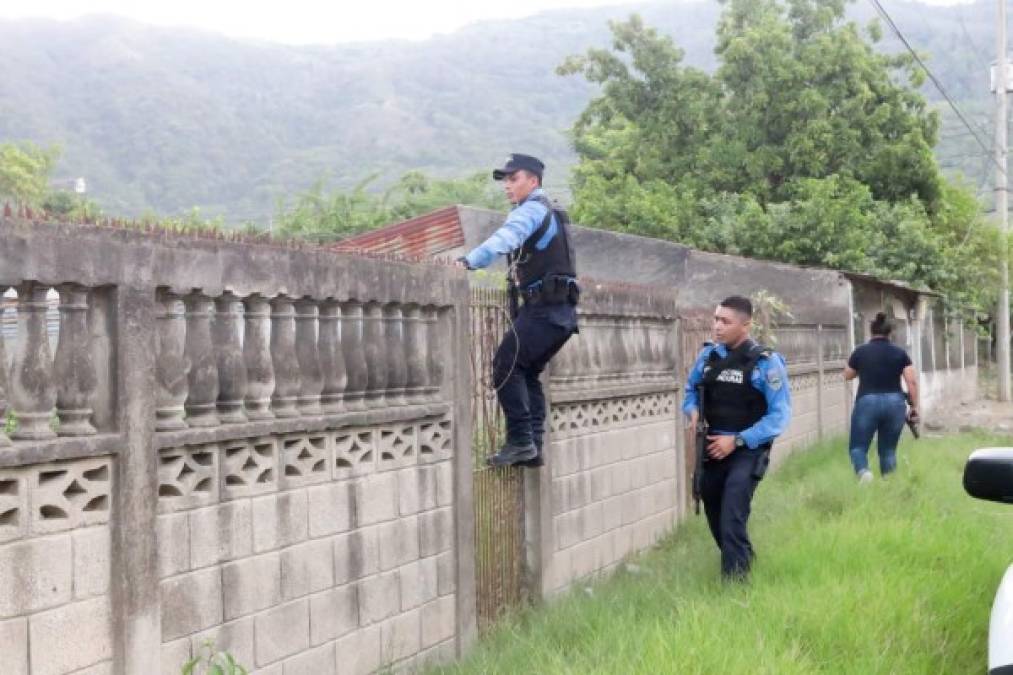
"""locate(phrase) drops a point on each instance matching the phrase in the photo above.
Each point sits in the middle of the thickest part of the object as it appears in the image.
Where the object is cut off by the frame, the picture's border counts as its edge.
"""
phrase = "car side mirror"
(988, 474)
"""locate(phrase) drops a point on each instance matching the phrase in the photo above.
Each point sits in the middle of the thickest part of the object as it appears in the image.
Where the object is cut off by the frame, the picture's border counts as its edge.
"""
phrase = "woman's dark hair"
(881, 326)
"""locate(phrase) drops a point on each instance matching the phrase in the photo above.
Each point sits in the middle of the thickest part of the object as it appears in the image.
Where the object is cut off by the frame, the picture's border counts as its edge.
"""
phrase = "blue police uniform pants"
(727, 491)
(882, 414)
(539, 331)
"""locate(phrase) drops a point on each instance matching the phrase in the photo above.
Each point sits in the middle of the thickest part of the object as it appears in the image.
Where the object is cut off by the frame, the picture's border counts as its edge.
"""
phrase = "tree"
(806, 146)
(24, 172)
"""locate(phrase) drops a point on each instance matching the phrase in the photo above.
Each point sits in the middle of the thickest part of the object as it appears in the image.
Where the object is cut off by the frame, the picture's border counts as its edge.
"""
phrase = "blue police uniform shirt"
(520, 224)
(522, 221)
(769, 377)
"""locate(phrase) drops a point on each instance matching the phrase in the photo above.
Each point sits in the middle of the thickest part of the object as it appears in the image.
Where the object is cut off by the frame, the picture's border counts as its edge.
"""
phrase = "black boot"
(510, 455)
(536, 462)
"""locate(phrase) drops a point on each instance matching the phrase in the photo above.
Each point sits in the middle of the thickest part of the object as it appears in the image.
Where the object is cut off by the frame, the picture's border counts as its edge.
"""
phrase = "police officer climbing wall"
(542, 273)
(742, 389)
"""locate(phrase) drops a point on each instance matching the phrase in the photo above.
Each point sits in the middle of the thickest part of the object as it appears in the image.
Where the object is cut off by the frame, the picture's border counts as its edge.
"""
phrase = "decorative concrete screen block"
(619, 410)
(580, 417)
(558, 418)
(13, 505)
(70, 494)
(187, 478)
(306, 459)
(398, 446)
(354, 452)
(249, 467)
(435, 440)
(574, 419)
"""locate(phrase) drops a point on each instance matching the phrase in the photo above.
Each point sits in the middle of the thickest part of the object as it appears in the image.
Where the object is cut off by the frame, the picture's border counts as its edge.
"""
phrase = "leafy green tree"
(70, 205)
(806, 146)
(25, 169)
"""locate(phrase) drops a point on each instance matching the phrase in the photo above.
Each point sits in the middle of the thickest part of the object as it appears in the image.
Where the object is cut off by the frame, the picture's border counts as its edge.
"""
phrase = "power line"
(982, 59)
(932, 77)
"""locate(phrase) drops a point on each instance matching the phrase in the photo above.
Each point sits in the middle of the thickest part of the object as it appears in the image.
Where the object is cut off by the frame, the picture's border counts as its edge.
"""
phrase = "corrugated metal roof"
(890, 283)
(422, 237)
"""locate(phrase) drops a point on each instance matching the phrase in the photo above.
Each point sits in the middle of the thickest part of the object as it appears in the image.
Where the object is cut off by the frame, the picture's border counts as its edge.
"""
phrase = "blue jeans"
(883, 413)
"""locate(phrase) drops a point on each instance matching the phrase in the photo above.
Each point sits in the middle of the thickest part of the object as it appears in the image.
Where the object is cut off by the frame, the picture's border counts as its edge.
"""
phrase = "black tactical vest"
(731, 402)
(556, 259)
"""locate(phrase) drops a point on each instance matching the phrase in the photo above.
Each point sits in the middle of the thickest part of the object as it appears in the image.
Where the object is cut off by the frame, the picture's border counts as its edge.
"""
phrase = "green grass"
(894, 577)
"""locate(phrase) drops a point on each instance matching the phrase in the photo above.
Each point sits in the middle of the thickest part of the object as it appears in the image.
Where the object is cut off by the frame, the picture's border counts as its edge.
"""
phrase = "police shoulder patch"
(774, 379)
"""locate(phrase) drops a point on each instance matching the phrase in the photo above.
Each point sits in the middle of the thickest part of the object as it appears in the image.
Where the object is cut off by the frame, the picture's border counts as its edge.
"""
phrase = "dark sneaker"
(510, 454)
(538, 461)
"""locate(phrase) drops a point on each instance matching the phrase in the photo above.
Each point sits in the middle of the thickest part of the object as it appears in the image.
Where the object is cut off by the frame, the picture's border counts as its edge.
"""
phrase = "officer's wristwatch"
(740, 442)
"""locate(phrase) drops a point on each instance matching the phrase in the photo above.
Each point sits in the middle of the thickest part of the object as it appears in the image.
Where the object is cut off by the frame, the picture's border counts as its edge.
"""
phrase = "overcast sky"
(309, 21)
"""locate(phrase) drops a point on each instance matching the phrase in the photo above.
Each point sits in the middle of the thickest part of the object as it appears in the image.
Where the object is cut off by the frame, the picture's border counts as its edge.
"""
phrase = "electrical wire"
(932, 77)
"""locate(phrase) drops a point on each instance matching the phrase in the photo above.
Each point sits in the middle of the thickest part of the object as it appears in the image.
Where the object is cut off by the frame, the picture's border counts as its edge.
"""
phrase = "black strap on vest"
(546, 276)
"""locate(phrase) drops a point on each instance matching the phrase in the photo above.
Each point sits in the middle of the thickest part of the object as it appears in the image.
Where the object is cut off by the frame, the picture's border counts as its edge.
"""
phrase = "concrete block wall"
(613, 484)
(614, 467)
(940, 388)
(291, 570)
(55, 613)
(243, 443)
(804, 429)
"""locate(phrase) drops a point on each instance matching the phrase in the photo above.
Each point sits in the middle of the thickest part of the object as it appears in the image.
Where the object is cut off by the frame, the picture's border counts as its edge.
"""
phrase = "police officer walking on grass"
(536, 240)
(746, 406)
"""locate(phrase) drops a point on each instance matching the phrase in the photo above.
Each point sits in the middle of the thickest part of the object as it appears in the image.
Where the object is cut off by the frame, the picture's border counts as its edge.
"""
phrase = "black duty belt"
(555, 289)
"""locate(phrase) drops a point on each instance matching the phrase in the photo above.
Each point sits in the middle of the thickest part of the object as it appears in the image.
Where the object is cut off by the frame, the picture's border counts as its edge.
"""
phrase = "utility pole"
(1001, 201)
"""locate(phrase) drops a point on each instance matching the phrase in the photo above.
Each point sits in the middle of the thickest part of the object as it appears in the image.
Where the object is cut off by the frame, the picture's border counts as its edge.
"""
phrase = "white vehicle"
(989, 475)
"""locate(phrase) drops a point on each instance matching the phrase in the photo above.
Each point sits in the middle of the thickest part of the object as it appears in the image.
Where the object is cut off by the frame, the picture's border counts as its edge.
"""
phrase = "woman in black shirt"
(880, 406)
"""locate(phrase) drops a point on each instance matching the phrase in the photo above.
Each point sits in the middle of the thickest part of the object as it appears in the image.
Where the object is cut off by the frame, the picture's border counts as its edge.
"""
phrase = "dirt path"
(983, 414)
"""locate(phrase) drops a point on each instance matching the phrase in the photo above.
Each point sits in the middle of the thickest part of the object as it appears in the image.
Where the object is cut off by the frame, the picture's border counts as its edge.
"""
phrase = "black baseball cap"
(516, 162)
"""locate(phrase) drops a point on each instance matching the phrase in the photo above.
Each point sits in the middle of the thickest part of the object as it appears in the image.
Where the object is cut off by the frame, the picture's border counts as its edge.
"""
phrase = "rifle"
(701, 448)
(912, 419)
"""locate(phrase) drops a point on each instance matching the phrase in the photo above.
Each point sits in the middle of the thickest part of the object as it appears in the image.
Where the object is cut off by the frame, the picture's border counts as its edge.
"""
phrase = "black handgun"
(912, 417)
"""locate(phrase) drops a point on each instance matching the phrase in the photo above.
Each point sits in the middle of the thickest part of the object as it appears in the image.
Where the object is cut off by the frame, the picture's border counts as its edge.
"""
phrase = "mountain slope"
(168, 119)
